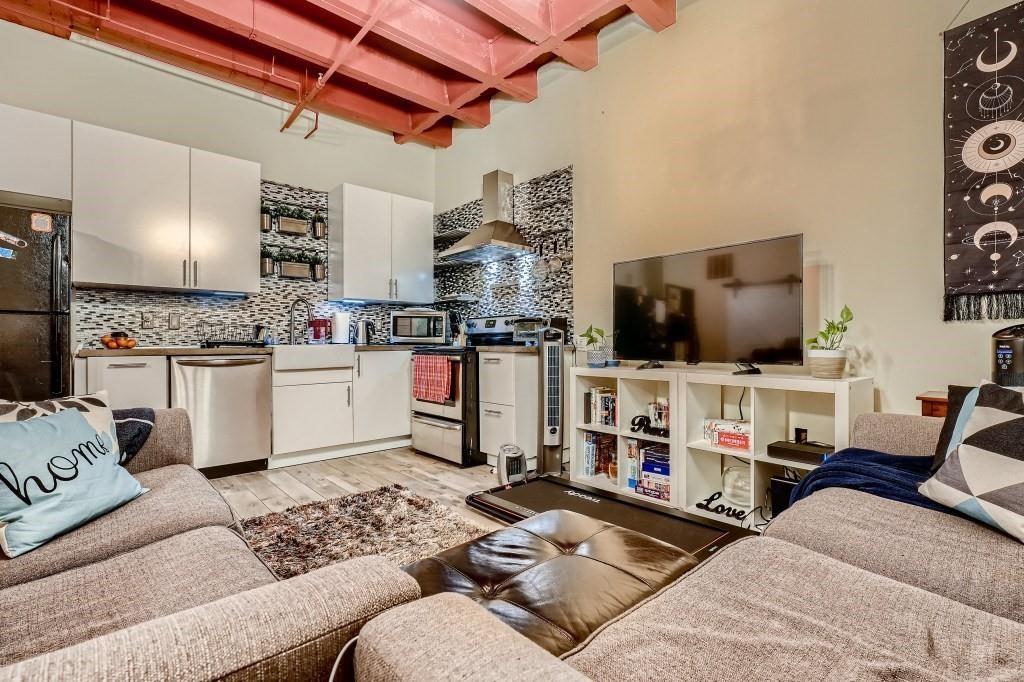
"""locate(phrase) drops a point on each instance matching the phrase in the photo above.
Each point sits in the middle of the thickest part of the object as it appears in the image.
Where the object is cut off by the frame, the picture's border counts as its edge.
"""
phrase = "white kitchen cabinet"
(383, 395)
(36, 153)
(131, 210)
(412, 249)
(130, 381)
(381, 246)
(360, 244)
(311, 416)
(509, 403)
(225, 208)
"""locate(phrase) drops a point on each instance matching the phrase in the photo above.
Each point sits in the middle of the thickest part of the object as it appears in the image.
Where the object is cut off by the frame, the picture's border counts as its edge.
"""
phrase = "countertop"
(385, 346)
(142, 351)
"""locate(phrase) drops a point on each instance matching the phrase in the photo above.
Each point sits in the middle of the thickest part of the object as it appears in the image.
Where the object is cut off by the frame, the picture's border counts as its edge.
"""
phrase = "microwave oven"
(418, 325)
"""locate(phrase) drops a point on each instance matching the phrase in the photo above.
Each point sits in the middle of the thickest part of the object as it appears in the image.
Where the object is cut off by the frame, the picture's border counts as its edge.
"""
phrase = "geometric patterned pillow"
(984, 477)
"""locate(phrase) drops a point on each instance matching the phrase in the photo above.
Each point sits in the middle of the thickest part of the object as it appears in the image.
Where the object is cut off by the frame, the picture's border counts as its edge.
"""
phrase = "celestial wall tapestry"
(984, 226)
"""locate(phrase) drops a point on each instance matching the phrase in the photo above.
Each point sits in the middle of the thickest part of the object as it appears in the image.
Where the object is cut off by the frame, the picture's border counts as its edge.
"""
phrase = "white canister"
(341, 328)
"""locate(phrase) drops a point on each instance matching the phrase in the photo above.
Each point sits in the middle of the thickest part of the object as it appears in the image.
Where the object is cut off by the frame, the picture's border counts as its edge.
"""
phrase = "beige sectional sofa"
(843, 586)
(165, 587)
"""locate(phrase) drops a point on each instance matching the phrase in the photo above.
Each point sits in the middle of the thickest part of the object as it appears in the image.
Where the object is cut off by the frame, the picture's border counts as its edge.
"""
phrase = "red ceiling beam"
(568, 18)
(658, 14)
(288, 30)
(128, 27)
(528, 18)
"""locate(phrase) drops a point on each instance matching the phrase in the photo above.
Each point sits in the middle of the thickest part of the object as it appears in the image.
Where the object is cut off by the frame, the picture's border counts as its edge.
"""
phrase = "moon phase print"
(984, 193)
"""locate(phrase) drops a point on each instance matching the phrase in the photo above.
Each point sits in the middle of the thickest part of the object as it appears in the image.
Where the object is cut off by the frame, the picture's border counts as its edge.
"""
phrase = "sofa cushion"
(763, 609)
(58, 473)
(949, 555)
(165, 577)
(179, 499)
(984, 477)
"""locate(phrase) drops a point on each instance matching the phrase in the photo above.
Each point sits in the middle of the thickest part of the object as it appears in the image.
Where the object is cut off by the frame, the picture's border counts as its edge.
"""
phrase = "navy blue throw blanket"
(893, 477)
(133, 428)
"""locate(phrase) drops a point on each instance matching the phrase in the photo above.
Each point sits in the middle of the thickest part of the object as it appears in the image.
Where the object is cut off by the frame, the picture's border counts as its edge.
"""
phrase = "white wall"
(756, 118)
(60, 77)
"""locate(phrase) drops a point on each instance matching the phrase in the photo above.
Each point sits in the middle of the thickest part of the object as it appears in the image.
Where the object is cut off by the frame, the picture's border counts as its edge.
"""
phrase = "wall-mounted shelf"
(457, 298)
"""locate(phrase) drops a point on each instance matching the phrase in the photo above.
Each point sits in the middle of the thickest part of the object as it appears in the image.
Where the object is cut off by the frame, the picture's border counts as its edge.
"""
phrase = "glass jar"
(736, 486)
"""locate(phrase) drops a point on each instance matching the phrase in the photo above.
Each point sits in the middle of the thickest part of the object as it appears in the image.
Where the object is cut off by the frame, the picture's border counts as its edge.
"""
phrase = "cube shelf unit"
(635, 390)
(774, 404)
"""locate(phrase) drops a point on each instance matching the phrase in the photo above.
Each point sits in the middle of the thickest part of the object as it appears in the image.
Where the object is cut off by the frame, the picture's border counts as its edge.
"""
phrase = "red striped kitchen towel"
(431, 378)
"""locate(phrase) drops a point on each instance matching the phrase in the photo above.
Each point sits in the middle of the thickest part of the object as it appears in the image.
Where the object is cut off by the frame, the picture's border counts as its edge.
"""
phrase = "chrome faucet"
(291, 317)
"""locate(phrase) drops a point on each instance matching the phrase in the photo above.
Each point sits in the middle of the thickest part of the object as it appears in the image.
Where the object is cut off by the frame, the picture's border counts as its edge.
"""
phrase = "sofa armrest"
(897, 434)
(450, 637)
(293, 629)
(169, 443)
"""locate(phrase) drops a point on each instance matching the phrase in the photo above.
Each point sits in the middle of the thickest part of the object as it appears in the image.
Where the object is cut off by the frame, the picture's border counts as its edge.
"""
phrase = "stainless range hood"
(496, 238)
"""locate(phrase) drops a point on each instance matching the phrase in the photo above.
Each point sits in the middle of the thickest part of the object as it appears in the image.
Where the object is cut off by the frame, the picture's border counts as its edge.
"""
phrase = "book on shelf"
(655, 472)
(600, 406)
(599, 451)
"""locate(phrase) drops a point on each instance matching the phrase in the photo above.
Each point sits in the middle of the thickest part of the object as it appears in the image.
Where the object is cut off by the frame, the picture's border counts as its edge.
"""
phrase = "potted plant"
(266, 218)
(318, 264)
(267, 258)
(594, 342)
(292, 220)
(319, 226)
(826, 352)
(293, 264)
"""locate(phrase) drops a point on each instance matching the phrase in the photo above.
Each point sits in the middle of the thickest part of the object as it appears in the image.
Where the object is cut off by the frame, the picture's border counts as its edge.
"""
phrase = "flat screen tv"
(739, 304)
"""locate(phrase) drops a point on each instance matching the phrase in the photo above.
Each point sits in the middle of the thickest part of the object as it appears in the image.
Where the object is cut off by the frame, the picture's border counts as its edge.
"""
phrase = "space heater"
(1008, 356)
(550, 342)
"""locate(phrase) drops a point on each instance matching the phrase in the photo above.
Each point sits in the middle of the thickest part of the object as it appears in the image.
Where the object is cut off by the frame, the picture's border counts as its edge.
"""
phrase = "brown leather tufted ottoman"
(555, 577)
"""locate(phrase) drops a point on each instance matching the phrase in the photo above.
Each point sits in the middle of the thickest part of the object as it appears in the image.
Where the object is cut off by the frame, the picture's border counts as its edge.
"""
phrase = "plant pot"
(292, 226)
(319, 272)
(266, 267)
(294, 270)
(319, 229)
(828, 364)
(597, 358)
(266, 222)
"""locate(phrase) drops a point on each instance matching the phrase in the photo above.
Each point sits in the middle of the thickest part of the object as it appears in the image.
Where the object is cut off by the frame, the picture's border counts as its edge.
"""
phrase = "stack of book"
(599, 451)
(601, 406)
(655, 474)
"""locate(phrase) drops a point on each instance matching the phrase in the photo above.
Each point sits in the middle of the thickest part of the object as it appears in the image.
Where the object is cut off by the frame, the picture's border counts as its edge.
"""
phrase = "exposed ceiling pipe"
(268, 75)
(339, 59)
(316, 126)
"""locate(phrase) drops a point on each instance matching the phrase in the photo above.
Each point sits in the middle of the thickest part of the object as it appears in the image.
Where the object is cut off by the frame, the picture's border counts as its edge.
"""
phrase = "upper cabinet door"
(412, 249)
(131, 210)
(36, 153)
(225, 219)
(360, 248)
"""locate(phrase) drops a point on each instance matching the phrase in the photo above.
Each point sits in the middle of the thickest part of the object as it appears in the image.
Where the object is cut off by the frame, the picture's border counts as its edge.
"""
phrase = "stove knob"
(508, 323)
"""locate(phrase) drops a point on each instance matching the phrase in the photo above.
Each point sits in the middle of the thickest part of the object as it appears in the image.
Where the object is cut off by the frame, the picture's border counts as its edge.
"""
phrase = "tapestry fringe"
(995, 306)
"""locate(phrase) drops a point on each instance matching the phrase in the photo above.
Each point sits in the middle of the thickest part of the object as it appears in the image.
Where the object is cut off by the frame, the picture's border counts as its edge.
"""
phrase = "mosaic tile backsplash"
(535, 284)
(99, 311)
(538, 284)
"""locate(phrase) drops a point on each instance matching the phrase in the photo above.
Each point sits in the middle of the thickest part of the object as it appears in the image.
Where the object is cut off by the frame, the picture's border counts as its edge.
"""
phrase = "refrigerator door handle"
(55, 259)
(57, 366)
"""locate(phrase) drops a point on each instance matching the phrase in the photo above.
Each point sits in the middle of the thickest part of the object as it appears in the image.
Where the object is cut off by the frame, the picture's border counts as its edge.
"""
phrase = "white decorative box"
(728, 433)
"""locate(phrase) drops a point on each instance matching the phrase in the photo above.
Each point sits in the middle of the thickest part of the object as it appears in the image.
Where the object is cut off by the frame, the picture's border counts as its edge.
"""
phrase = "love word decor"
(984, 186)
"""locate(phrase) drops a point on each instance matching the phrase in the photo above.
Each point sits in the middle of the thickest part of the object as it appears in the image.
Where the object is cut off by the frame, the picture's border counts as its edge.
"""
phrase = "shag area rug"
(389, 521)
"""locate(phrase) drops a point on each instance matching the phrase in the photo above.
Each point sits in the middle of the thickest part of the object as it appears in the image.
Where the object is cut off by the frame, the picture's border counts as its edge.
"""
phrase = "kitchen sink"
(328, 356)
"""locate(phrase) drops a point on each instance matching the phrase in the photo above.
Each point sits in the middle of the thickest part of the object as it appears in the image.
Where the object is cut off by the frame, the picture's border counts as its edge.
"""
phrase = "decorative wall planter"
(294, 270)
(266, 267)
(266, 222)
(319, 272)
(827, 364)
(292, 226)
(319, 228)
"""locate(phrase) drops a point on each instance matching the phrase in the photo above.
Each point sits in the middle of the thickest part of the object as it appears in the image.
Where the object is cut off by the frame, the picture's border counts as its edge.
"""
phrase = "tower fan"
(550, 346)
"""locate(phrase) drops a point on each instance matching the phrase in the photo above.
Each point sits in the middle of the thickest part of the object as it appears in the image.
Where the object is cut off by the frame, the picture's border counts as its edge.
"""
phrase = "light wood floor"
(262, 492)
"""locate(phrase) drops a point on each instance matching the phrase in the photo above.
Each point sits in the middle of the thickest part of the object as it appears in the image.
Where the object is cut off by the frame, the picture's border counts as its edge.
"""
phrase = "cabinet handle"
(349, 395)
(496, 413)
(359, 365)
(128, 365)
(184, 273)
(492, 361)
(396, 289)
(195, 273)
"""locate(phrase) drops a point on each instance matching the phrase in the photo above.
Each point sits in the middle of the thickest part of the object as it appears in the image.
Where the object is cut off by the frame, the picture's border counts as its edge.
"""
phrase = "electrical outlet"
(174, 321)
(147, 320)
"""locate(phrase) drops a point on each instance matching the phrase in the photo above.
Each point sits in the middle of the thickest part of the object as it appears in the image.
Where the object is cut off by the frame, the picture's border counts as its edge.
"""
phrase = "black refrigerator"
(35, 304)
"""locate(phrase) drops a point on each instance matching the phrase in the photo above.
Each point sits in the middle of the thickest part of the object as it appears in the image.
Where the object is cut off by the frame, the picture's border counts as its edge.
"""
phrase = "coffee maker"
(1008, 356)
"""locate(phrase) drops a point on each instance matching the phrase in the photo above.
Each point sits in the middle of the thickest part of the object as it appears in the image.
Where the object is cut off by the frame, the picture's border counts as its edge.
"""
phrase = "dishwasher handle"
(221, 363)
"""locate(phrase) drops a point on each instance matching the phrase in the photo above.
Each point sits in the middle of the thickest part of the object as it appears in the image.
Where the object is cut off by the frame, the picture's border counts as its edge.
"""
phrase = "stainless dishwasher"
(228, 400)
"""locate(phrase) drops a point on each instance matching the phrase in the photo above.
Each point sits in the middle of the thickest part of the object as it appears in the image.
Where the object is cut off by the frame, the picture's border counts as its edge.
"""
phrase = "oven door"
(417, 327)
(451, 409)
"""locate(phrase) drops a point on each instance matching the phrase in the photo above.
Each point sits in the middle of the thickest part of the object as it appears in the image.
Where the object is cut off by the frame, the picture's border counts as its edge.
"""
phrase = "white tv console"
(775, 404)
